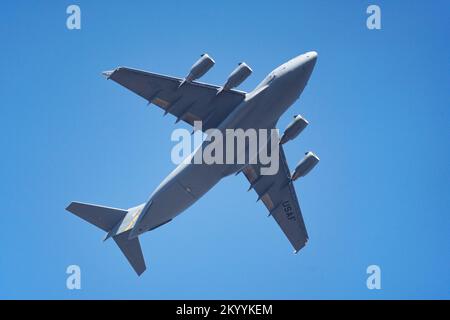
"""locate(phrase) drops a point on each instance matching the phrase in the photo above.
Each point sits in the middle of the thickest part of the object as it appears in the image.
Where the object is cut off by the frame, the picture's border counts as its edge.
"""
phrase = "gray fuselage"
(260, 109)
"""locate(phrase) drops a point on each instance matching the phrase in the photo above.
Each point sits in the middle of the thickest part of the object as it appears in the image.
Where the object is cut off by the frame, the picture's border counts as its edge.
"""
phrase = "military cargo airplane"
(221, 107)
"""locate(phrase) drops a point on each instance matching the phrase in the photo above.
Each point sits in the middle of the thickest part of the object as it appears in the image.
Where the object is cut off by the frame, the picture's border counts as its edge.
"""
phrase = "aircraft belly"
(180, 192)
(189, 182)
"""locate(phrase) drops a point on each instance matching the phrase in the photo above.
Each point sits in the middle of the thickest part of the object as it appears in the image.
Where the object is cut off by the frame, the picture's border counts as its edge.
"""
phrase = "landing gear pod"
(305, 166)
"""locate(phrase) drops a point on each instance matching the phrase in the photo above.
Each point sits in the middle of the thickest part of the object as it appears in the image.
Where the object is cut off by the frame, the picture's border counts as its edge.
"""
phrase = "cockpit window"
(270, 78)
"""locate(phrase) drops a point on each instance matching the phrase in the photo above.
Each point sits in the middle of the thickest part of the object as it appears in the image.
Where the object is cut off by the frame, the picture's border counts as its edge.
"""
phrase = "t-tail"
(118, 223)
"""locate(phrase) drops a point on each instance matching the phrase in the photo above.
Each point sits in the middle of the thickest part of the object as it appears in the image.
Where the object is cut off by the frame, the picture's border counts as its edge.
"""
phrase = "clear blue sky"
(378, 106)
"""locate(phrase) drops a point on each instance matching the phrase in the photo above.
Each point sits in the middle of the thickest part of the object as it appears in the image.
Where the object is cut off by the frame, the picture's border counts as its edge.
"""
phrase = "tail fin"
(109, 219)
(103, 217)
(132, 251)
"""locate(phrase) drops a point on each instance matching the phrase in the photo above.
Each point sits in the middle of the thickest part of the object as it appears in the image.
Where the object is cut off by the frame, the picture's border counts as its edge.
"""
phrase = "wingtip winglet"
(71, 206)
(108, 74)
(140, 271)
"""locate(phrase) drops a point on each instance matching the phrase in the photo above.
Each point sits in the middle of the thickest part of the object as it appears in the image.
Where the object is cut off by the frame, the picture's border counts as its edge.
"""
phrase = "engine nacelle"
(242, 72)
(294, 128)
(305, 166)
(200, 67)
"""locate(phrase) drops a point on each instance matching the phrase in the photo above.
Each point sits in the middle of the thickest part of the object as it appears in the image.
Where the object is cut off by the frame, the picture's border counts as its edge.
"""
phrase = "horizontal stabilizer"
(103, 217)
(132, 251)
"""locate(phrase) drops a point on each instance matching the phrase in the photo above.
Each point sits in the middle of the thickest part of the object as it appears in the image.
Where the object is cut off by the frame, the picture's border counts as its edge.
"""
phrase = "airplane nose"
(311, 56)
(304, 64)
(310, 59)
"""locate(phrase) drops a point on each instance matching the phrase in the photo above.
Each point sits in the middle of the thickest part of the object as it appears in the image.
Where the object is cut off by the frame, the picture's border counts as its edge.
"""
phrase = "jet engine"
(242, 72)
(293, 129)
(305, 166)
(200, 68)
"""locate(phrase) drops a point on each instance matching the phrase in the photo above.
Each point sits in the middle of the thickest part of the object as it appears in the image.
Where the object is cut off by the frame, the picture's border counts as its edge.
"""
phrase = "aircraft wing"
(193, 101)
(278, 194)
